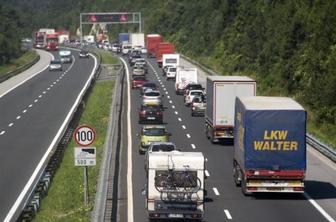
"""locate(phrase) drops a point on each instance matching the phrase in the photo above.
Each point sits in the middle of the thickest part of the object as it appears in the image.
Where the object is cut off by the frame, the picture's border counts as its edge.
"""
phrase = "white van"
(125, 48)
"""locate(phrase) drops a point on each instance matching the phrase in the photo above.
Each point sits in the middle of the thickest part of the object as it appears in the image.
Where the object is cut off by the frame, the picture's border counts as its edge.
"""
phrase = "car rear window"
(55, 62)
(152, 94)
(163, 147)
(191, 87)
(154, 132)
(196, 93)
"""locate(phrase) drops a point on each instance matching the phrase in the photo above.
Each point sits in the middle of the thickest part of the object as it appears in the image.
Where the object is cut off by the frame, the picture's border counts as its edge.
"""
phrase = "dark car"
(138, 81)
(84, 53)
(192, 86)
(132, 59)
(150, 114)
(146, 86)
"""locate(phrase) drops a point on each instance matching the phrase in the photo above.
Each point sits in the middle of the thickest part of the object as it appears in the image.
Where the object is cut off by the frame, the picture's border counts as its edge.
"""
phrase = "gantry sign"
(110, 18)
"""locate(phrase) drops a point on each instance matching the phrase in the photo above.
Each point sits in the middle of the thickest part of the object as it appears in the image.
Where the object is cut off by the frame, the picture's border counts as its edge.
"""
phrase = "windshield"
(52, 40)
(172, 69)
(152, 94)
(191, 87)
(196, 93)
(154, 132)
(149, 85)
(55, 62)
(138, 78)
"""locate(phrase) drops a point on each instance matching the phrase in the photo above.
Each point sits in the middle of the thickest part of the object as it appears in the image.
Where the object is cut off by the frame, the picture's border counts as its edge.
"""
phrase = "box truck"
(163, 48)
(151, 41)
(270, 145)
(184, 76)
(221, 93)
(137, 40)
(175, 185)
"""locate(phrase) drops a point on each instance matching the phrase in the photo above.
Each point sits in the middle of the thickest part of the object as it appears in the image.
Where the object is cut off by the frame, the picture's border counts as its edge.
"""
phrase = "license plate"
(274, 188)
(175, 215)
(151, 118)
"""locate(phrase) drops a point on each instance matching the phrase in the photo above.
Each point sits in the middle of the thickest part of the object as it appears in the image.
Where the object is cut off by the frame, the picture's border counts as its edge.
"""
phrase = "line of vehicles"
(268, 134)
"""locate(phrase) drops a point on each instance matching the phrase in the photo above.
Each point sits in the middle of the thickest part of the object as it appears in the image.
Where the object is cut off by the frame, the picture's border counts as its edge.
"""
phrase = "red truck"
(151, 42)
(163, 48)
(40, 40)
(52, 41)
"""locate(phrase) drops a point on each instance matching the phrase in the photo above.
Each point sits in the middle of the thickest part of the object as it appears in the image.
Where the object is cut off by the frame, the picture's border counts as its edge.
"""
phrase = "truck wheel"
(243, 187)
(236, 173)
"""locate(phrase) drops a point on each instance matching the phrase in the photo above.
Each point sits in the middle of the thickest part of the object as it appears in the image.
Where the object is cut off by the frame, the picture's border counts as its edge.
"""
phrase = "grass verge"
(65, 199)
(16, 63)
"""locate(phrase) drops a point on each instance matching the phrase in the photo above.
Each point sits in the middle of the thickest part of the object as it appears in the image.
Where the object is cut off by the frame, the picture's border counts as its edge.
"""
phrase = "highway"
(225, 201)
(32, 112)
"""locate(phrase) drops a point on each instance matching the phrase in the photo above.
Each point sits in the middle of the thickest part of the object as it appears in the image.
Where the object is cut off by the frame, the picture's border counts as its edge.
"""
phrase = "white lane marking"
(173, 106)
(36, 100)
(319, 208)
(193, 146)
(188, 135)
(24, 111)
(206, 159)
(11, 124)
(31, 180)
(216, 191)
(52, 57)
(170, 101)
(168, 97)
(179, 119)
(129, 151)
(2, 132)
(228, 215)
(44, 92)
(54, 83)
(18, 117)
(51, 85)
(30, 106)
(57, 80)
(183, 126)
(167, 92)
(164, 89)
(206, 172)
(176, 112)
(48, 88)
(40, 96)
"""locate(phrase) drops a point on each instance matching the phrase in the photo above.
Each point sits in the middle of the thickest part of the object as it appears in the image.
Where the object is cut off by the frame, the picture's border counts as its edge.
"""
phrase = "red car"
(138, 81)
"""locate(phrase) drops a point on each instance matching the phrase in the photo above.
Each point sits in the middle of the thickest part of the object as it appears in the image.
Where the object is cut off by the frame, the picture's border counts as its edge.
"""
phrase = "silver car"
(55, 65)
(138, 70)
(198, 106)
(191, 94)
(152, 98)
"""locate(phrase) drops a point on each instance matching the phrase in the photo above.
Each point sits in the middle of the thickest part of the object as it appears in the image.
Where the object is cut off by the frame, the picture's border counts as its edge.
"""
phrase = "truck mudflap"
(277, 186)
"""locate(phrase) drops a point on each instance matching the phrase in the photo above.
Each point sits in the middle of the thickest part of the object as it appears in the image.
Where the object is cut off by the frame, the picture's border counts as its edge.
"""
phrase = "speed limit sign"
(84, 135)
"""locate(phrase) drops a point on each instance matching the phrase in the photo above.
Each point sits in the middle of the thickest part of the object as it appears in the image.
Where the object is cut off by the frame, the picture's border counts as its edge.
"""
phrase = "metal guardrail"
(4, 77)
(310, 139)
(40, 188)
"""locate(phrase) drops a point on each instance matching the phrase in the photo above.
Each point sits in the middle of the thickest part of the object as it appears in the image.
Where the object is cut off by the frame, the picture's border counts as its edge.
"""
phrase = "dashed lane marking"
(36, 100)
(30, 106)
(18, 117)
(188, 135)
(179, 119)
(40, 96)
(173, 106)
(2, 132)
(206, 172)
(11, 124)
(228, 215)
(183, 126)
(193, 146)
(170, 101)
(24, 111)
(44, 92)
(168, 97)
(176, 112)
(216, 191)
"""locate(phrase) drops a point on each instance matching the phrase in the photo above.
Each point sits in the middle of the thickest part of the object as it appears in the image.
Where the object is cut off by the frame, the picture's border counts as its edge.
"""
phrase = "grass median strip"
(65, 199)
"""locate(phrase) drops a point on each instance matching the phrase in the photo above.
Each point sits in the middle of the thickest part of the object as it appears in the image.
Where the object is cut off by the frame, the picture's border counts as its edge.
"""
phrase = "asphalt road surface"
(31, 115)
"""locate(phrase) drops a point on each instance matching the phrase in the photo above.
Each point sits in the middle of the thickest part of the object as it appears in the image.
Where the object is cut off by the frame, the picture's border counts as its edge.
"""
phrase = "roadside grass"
(16, 63)
(65, 199)
(107, 57)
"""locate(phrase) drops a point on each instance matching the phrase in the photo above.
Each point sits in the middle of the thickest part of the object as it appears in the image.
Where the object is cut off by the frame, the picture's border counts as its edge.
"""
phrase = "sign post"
(85, 156)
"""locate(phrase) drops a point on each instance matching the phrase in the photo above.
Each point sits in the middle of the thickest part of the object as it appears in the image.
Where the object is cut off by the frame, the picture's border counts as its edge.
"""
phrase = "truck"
(52, 41)
(270, 145)
(124, 37)
(184, 76)
(39, 40)
(89, 38)
(221, 93)
(163, 48)
(151, 41)
(137, 40)
(170, 60)
(175, 185)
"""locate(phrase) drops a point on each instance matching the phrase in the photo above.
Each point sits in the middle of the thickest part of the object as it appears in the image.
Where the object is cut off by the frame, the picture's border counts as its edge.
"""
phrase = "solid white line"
(11, 124)
(193, 146)
(41, 164)
(206, 172)
(176, 112)
(24, 111)
(188, 135)
(2, 132)
(30, 105)
(216, 191)
(18, 117)
(36, 100)
(183, 126)
(179, 119)
(26, 79)
(319, 208)
(228, 215)
(129, 151)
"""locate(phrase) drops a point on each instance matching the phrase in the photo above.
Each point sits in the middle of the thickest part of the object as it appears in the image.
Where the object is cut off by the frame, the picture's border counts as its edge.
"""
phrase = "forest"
(288, 46)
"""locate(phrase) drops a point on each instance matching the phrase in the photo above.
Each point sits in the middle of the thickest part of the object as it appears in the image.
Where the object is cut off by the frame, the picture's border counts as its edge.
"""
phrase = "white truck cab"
(175, 185)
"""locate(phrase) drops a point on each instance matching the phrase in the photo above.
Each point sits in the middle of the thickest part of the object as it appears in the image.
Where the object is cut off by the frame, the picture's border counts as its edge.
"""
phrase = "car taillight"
(158, 113)
(143, 112)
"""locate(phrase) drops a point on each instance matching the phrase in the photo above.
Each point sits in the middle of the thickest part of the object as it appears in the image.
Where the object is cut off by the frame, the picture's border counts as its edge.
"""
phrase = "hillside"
(288, 46)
